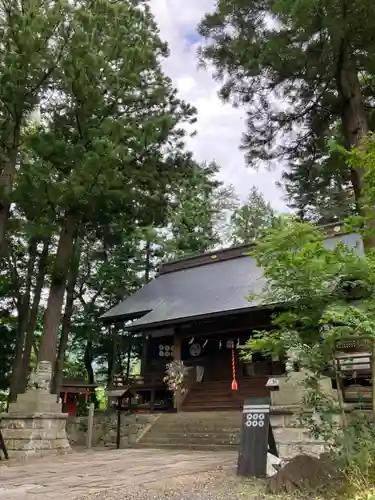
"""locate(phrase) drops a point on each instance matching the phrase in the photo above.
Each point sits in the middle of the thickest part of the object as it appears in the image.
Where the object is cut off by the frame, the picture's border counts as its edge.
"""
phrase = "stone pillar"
(291, 390)
(35, 425)
(286, 404)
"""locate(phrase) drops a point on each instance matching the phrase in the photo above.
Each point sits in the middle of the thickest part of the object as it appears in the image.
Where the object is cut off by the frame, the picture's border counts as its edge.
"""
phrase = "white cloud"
(220, 126)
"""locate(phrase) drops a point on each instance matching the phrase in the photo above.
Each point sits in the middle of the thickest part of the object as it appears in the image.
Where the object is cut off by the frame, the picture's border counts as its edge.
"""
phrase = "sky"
(220, 126)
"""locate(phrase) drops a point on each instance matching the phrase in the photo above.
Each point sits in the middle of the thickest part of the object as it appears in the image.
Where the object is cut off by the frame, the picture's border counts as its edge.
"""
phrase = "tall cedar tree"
(307, 54)
(198, 207)
(109, 135)
(318, 187)
(250, 219)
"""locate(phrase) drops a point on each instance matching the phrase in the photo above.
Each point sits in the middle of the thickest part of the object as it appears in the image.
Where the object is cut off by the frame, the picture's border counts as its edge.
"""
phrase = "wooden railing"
(189, 383)
(355, 365)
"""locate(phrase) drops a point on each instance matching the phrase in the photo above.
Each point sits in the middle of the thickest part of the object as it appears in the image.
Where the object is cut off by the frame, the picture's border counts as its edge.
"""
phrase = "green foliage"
(321, 286)
(319, 188)
(100, 139)
(249, 220)
(102, 143)
(198, 207)
(290, 65)
(101, 398)
(322, 293)
(7, 350)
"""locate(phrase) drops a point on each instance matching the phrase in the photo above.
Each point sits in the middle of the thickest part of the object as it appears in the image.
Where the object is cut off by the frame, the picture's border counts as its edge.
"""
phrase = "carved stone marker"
(37, 397)
(42, 376)
(35, 424)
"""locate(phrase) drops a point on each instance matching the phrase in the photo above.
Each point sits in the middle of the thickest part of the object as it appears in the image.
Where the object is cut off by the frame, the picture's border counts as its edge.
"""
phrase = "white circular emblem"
(261, 416)
(261, 423)
(195, 349)
(255, 416)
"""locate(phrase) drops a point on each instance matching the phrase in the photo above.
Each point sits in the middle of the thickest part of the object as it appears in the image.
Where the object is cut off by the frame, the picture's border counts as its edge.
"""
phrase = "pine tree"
(109, 141)
(33, 38)
(198, 209)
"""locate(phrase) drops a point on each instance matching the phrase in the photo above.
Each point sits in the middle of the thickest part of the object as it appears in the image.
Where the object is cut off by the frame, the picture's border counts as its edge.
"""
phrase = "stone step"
(247, 380)
(190, 444)
(241, 392)
(194, 433)
(201, 417)
(221, 424)
(200, 431)
(194, 407)
(212, 440)
(203, 428)
(197, 447)
(216, 398)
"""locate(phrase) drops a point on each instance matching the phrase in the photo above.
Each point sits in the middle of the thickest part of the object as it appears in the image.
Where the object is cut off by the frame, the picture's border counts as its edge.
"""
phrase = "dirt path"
(100, 472)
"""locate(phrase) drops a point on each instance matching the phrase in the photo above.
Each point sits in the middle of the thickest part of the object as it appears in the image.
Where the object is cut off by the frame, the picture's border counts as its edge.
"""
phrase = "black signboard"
(255, 437)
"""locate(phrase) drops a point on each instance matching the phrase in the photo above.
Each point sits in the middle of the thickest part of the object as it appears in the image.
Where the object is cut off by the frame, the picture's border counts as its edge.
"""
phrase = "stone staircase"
(194, 431)
(217, 395)
(221, 431)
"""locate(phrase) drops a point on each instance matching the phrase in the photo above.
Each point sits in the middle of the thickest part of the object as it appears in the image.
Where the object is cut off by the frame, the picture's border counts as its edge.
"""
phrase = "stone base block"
(292, 391)
(287, 451)
(35, 401)
(34, 434)
(292, 439)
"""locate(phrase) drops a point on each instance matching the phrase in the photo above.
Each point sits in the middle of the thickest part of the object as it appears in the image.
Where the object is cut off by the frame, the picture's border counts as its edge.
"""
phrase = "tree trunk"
(33, 317)
(354, 126)
(6, 182)
(52, 317)
(87, 359)
(353, 114)
(354, 119)
(67, 319)
(23, 318)
(112, 355)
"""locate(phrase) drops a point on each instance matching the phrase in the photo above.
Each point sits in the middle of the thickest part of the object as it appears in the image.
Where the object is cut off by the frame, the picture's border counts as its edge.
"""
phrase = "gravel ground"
(221, 484)
(131, 475)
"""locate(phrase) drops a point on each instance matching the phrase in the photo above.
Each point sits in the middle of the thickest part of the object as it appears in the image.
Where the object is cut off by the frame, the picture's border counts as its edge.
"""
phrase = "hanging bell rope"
(234, 381)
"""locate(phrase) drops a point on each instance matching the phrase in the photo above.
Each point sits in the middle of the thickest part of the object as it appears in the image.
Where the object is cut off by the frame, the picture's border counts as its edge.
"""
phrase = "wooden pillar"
(144, 354)
(177, 345)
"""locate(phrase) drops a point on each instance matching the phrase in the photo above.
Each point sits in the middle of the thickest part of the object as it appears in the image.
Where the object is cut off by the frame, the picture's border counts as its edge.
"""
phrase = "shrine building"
(196, 310)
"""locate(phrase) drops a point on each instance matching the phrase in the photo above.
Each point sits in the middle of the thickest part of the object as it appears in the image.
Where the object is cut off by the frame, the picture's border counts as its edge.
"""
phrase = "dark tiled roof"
(208, 289)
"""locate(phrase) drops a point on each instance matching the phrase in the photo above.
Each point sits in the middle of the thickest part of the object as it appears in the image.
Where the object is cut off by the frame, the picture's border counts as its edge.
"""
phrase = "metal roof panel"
(212, 288)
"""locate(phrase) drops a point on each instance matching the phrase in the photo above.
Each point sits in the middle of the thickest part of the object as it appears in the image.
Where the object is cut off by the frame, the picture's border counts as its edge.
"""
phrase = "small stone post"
(90, 424)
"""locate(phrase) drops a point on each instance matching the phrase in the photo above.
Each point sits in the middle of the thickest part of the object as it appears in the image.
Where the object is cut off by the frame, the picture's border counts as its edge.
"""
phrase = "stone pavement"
(83, 474)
